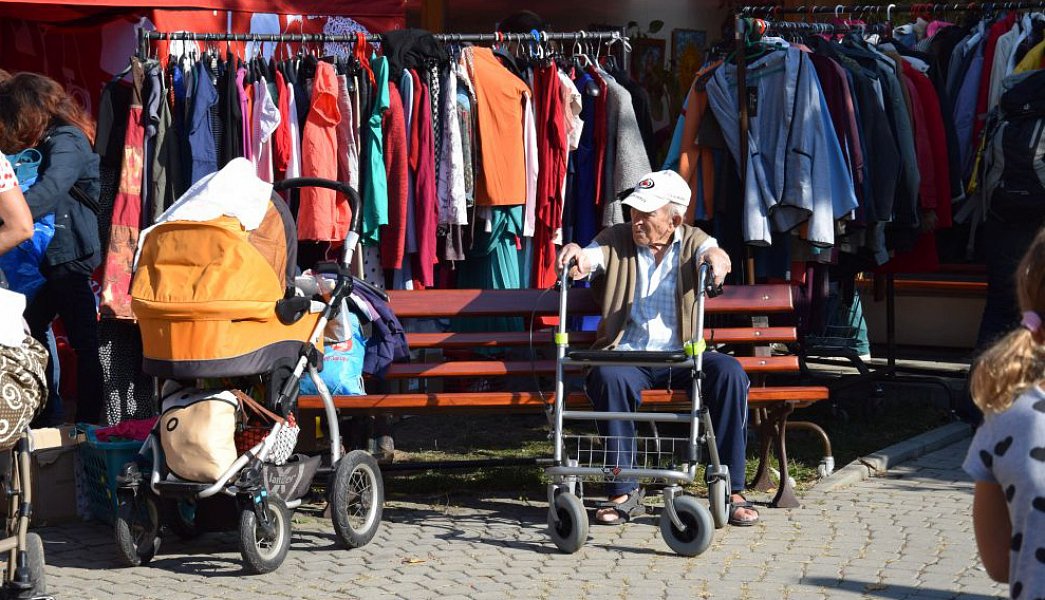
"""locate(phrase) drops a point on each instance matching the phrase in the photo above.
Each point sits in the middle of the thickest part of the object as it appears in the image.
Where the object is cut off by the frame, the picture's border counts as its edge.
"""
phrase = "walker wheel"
(718, 495)
(568, 523)
(696, 537)
(34, 550)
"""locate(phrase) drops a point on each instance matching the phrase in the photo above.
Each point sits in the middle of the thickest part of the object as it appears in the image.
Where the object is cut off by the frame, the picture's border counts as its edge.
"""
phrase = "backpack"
(1014, 161)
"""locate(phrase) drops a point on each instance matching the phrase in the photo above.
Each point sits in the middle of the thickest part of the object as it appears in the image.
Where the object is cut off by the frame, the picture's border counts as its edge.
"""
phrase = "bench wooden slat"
(500, 368)
(934, 287)
(521, 303)
(724, 335)
(484, 401)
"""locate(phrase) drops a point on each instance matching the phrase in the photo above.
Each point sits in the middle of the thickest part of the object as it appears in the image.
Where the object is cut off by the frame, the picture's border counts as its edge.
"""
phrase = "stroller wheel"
(264, 553)
(568, 523)
(696, 537)
(357, 498)
(137, 527)
(180, 516)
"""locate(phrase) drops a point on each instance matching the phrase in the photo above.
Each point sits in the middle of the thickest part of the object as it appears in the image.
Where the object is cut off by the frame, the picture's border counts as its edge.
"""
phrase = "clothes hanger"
(581, 59)
(753, 32)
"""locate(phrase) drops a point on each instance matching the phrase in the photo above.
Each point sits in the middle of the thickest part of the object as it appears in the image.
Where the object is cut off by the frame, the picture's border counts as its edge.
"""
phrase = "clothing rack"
(888, 10)
(745, 24)
(145, 36)
(743, 27)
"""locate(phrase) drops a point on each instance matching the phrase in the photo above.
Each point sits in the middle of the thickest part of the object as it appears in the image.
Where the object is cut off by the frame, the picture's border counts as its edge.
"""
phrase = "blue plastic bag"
(21, 266)
(342, 365)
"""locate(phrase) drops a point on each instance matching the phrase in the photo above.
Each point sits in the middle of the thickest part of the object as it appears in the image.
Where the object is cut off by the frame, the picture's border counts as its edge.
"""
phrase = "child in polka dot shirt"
(16, 222)
(7, 175)
(1007, 455)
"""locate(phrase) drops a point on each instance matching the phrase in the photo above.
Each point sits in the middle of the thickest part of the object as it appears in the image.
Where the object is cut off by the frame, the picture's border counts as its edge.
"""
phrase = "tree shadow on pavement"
(892, 591)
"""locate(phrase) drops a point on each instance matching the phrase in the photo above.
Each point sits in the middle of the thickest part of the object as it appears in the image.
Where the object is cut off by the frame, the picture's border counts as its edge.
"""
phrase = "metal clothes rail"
(144, 37)
(891, 9)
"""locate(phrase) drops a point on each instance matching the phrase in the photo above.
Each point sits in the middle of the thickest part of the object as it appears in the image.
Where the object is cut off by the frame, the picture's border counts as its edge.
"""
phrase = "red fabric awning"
(77, 10)
(82, 43)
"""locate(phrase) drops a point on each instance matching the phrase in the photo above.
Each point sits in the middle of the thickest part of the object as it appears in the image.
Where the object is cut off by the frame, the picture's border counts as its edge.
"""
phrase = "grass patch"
(856, 427)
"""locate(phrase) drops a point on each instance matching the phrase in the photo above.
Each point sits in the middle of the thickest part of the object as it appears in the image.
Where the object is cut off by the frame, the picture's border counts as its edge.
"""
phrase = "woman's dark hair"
(30, 105)
(523, 21)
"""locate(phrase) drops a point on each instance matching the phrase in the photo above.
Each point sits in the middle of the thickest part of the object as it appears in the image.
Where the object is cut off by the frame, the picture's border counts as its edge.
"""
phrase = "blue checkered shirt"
(653, 324)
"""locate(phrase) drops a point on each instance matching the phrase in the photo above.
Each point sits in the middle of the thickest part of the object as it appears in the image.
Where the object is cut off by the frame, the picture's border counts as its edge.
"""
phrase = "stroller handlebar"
(345, 281)
(354, 202)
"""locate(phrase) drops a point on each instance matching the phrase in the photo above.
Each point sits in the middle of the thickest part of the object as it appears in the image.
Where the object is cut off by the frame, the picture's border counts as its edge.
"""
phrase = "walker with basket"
(669, 462)
(222, 307)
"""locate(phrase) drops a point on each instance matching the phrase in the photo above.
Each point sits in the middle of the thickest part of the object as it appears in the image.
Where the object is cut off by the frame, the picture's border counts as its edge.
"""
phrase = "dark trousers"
(70, 296)
(1006, 242)
(619, 389)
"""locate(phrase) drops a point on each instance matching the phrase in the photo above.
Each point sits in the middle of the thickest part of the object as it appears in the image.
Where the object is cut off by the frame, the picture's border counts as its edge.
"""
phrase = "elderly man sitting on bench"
(645, 284)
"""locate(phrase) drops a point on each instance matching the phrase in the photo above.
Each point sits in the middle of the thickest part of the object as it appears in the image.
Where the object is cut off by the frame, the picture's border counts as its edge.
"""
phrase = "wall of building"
(474, 16)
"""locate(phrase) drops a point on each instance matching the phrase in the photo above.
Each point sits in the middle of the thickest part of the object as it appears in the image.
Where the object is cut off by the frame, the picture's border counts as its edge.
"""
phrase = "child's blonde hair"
(1017, 361)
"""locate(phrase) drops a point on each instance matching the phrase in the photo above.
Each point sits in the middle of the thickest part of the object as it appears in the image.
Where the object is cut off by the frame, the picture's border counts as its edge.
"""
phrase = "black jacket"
(68, 160)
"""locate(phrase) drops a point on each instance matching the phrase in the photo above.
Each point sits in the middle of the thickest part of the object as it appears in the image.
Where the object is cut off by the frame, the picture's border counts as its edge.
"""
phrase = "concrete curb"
(881, 461)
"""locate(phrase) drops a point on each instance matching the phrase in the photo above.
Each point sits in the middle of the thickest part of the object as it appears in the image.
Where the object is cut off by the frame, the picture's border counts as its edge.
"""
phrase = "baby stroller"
(686, 525)
(25, 393)
(216, 302)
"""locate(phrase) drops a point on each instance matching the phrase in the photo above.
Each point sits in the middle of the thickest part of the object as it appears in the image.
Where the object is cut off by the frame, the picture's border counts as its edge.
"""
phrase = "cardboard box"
(54, 475)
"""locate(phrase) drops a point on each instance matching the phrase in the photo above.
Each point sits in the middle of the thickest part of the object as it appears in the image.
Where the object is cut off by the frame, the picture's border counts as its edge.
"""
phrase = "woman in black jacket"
(35, 111)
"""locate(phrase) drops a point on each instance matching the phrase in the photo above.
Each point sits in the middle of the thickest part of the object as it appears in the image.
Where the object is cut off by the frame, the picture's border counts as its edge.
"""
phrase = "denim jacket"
(789, 178)
(68, 161)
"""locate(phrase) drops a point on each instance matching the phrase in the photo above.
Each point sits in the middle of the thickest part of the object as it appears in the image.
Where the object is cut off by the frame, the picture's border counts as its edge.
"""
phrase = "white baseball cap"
(657, 189)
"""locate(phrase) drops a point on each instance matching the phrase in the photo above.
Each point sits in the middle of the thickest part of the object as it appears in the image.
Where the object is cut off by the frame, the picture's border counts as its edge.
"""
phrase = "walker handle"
(711, 289)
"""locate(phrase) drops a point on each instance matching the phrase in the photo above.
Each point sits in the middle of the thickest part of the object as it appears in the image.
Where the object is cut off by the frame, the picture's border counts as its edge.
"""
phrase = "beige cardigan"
(614, 290)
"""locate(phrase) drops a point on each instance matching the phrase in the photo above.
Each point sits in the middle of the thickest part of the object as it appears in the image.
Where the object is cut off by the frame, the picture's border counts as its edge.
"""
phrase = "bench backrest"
(754, 299)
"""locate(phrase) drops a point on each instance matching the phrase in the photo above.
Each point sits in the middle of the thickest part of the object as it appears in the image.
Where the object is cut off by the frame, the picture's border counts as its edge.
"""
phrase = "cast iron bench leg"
(761, 423)
(785, 495)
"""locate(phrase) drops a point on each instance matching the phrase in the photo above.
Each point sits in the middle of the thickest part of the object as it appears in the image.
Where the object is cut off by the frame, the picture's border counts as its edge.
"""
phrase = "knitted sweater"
(614, 290)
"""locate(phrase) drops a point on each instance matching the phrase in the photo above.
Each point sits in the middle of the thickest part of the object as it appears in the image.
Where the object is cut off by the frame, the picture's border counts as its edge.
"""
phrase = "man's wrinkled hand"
(571, 252)
(720, 263)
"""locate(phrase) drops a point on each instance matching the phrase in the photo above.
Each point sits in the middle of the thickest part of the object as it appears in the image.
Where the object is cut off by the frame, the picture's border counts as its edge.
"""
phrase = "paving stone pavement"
(907, 535)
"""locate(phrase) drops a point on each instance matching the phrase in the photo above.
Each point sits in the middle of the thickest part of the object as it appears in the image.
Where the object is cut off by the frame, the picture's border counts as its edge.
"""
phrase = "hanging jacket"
(789, 159)
(387, 341)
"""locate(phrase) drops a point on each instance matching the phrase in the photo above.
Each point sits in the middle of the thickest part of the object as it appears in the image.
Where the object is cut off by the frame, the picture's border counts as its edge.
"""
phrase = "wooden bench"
(771, 405)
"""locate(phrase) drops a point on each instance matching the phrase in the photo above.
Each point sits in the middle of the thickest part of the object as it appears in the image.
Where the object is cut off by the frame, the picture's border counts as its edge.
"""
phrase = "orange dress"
(500, 96)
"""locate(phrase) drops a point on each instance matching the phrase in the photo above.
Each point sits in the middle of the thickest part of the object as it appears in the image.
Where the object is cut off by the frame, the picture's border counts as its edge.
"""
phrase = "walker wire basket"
(651, 453)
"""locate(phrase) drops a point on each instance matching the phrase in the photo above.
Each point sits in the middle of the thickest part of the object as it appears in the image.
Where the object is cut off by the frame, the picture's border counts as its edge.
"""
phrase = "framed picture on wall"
(647, 59)
(687, 52)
